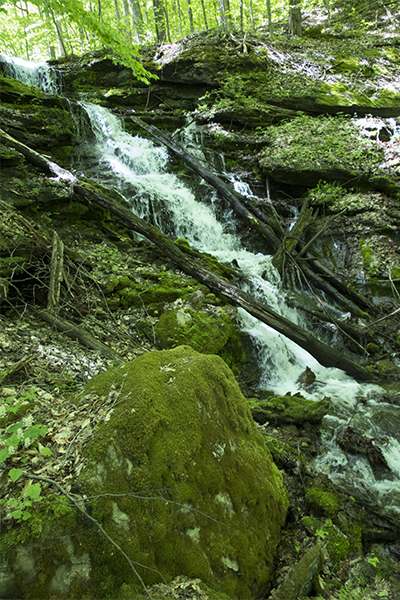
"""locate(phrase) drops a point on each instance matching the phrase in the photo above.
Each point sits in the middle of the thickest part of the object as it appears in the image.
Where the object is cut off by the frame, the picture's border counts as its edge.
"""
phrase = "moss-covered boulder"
(191, 488)
(205, 331)
(289, 409)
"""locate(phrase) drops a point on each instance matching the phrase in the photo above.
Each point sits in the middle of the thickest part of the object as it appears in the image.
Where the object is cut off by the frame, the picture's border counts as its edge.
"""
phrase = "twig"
(56, 272)
(16, 367)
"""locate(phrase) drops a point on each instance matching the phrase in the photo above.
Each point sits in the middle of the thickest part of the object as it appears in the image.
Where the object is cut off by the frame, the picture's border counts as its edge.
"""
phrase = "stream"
(141, 172)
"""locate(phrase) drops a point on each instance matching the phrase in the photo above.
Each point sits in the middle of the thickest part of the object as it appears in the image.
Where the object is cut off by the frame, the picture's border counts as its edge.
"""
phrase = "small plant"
(321, 532)
(374, 561)
(19, 436)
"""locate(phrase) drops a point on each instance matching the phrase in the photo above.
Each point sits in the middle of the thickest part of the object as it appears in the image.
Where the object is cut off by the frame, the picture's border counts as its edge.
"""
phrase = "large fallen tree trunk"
(322, 352)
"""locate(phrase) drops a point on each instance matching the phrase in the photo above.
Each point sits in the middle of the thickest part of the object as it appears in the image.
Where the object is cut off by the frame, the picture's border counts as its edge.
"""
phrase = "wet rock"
(307, 377)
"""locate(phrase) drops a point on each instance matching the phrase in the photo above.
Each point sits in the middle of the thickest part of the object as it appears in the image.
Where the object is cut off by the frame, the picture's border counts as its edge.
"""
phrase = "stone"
(206, 499)
(289, 409)
(299, 582)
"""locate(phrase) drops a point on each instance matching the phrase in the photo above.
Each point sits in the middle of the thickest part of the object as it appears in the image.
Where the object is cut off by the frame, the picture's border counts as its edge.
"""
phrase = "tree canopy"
(42, 29)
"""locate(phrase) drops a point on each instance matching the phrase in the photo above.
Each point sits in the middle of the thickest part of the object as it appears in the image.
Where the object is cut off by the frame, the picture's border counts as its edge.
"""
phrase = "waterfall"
(39, 74)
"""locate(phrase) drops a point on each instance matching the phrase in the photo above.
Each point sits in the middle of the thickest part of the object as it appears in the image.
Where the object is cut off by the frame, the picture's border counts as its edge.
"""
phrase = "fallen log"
(249, 218)
(327, 356)
(77, 333)
(322, 352)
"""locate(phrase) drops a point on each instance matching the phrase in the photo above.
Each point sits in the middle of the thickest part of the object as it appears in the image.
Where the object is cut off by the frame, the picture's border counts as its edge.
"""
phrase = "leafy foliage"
(17, 438)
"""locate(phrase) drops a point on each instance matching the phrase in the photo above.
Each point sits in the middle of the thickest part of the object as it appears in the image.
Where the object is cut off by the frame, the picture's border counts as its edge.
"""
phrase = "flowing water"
(141, 172)
(32, 73)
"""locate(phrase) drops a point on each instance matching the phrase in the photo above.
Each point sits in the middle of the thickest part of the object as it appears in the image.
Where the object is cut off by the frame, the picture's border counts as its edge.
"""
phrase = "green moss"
(166, 434)
(289, 409)
(319, 144)
(12, 88)
(336, 543)
(346, 64)
(323, 500)
(283, 454)
(373, 348)
(210, 331)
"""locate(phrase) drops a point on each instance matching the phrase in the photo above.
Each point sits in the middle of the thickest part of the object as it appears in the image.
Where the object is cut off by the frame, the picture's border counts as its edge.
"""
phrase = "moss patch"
(316, 145)
(323, 500)
(289, 409)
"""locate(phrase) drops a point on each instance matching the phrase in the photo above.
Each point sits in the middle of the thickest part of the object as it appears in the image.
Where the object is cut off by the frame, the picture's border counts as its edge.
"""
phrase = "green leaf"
(4, 454)
(16, 514)
(14, 427)
(46, 452)
(13, 440)
(26, 516)
(34, 431)
(15, 474)
(33, 491)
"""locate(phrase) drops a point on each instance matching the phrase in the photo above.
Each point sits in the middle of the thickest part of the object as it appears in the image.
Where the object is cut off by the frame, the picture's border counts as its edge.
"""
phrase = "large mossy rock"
(191, 487)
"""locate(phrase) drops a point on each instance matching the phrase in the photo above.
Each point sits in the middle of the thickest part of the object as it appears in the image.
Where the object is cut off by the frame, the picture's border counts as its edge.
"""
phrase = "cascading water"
(39, 74)
(140, 171)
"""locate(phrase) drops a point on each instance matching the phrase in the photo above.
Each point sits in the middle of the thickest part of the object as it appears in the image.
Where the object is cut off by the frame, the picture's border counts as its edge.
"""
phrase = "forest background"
(49, 29)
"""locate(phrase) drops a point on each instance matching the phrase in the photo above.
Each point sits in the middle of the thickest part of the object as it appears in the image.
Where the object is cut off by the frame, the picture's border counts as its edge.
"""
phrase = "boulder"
(191, 487)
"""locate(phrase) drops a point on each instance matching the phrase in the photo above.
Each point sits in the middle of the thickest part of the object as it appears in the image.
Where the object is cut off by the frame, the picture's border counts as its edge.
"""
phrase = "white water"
(140, 170)
(32, 73)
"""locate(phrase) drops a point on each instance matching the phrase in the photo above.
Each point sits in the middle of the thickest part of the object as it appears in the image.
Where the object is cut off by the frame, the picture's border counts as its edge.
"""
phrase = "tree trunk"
(295, 17)
(190, 13)
(159, 21)
(269, 16)
(137, 19)
(225, 15)
(204, 14)
(322, 352)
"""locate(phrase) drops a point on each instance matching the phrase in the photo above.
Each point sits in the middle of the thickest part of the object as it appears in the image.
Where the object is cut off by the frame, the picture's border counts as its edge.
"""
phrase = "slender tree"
(159, 20)
(190, 13)
(295, 17)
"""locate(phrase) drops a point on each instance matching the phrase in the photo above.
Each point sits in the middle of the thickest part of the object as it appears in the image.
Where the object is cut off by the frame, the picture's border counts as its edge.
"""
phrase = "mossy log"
(327, 356)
